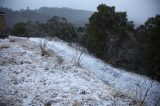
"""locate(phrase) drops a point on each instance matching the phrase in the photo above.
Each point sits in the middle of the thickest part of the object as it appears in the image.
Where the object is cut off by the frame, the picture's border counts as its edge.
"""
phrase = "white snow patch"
(133, 84)
(29, 79)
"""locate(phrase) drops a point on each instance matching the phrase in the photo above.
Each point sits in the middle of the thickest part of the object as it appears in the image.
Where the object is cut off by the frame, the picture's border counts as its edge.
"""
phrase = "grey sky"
(137, 10)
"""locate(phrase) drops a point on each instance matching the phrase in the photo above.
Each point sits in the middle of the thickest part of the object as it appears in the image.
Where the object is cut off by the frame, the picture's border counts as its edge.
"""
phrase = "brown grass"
(4, 46)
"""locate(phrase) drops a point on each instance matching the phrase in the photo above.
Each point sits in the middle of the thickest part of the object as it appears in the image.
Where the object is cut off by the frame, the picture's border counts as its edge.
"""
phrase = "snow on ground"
(131, 83)
(29, 79)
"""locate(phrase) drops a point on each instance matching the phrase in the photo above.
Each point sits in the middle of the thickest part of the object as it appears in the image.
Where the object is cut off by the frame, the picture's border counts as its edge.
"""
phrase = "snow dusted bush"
(12, 39)
(44, 50)
(79, 51)
(4, 46)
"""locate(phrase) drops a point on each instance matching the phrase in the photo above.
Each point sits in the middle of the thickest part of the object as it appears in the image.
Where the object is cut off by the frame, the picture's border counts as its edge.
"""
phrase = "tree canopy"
(102, 24)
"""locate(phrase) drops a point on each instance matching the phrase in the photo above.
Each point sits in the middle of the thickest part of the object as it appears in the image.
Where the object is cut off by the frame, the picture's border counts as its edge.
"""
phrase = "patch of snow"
(133, 84)
(29, 79)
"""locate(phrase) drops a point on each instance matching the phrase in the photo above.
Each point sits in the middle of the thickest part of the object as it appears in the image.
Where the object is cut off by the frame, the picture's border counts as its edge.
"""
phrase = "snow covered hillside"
(29, 79)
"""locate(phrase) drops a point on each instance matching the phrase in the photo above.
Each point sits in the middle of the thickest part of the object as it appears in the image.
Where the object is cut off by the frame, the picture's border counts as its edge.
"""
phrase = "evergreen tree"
(106, 26)
(152, 27)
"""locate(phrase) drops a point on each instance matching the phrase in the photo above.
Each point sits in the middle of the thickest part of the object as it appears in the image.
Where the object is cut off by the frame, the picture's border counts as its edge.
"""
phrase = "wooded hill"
(76, 17)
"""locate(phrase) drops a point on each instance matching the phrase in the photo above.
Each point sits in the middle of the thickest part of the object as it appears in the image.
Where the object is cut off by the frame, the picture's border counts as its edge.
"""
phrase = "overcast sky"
(137, 10)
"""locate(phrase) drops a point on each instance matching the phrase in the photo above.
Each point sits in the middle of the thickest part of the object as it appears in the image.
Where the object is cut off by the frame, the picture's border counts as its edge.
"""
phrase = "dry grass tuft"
(5, 46)
(76, 103)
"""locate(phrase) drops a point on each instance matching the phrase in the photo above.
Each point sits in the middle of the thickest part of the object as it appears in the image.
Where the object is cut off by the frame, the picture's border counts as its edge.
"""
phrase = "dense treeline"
(54, 27)
(43, 14)
(109, 36)
(150, 32)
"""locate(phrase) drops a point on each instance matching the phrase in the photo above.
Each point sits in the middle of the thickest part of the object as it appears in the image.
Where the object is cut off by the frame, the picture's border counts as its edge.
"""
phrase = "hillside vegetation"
(38, 71)
(29, 78)
(109, 36)
(76, 17)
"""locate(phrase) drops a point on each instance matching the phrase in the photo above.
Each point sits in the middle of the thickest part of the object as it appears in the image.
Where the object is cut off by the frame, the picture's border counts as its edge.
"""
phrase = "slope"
(133, 84)
(29, 79)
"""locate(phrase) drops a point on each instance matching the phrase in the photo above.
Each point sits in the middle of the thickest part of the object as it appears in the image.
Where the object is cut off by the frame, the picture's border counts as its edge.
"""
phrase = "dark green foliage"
(107, 30)
(27, 29)
(96, 36)
(55, 27)
(152, 27)
(81, 39)
(148, 41)
(111, 37)
(59, 27)
(20, 29)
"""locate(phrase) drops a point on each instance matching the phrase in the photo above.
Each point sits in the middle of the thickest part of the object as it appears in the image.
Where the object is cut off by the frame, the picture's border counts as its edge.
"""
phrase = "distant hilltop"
(76, 17)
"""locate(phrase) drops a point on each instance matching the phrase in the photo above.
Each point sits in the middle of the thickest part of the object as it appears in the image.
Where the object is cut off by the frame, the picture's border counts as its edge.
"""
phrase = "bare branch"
(146, 93)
